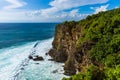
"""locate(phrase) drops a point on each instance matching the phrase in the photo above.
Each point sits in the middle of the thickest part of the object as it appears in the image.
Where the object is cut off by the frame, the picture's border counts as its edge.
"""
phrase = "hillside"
(90, 48)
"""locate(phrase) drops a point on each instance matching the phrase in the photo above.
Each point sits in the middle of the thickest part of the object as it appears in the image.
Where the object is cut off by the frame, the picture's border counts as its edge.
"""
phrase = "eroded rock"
(38, 58)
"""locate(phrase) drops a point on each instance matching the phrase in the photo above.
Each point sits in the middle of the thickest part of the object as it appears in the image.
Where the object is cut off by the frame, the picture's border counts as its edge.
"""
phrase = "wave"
(15, 64)
(11, 57)
(43, 70)
(14, 58)
(44, 45)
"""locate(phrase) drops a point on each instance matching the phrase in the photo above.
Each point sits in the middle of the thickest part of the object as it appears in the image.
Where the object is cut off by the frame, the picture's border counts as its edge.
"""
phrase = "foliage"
(104, 30)
(91, 73)
(95, 73)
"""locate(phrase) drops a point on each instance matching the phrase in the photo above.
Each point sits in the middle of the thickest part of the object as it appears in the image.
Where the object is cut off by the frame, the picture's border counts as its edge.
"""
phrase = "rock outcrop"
(36, 58)
(64, 46)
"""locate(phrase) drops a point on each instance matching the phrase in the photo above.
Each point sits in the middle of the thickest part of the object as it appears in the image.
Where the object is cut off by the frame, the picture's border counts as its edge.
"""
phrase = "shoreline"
(21, 68)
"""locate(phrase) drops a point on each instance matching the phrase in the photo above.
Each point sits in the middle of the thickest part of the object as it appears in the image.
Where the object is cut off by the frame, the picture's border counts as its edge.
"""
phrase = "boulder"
(30, 57)
(55, 71)
(51, 59)
(38, 58)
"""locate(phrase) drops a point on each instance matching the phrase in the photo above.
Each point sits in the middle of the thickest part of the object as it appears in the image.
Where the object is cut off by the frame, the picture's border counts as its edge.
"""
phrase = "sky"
(52, 10)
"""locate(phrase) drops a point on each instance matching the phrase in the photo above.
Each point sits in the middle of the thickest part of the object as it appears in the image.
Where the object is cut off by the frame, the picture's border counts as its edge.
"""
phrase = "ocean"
(17, 42)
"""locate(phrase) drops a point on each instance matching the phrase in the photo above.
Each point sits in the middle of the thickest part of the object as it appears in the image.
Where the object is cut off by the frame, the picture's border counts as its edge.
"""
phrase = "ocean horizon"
(15, 33)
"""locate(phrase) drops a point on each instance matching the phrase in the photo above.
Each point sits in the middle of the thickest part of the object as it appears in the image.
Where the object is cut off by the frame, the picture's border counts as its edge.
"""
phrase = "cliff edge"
(89, 48)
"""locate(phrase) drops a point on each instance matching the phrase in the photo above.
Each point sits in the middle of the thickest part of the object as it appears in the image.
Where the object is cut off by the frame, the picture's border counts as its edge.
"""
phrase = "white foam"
(45, 70)
(43, 47)
(10, 58)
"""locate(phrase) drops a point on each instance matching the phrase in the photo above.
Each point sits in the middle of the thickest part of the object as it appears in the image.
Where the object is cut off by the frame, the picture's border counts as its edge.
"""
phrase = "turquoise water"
(18, 33)
(17, 42)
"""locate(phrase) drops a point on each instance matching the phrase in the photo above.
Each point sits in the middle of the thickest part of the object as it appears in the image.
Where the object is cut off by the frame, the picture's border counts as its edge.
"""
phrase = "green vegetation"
(104, 30)
(58, 47)
(95, 73)
(91, 73)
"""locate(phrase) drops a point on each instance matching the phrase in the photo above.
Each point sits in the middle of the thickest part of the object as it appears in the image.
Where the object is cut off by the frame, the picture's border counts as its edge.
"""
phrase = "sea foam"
(11, 57)
(43, 70)
(15, 64)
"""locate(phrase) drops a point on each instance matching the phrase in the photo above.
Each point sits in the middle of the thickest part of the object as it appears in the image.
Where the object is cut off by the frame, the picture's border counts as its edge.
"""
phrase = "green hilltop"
(103, 30)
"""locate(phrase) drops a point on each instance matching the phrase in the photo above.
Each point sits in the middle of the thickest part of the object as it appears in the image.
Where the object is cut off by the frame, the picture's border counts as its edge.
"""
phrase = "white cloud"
(66, 4)
(13, 16)
(14, 4)
(99, 9)
(58, 6)
(58, 16)
(116, 7)
(74, 13)
(55, 13)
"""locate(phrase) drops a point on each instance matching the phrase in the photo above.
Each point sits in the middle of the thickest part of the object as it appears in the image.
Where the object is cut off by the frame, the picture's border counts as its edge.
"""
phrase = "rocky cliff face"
(64, 47)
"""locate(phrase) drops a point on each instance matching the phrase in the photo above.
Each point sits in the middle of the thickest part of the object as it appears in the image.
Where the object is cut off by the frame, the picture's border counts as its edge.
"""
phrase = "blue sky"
(52, 10)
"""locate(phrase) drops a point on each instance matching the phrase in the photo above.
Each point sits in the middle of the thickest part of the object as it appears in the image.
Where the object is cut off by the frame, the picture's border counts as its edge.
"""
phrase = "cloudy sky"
(52, 10)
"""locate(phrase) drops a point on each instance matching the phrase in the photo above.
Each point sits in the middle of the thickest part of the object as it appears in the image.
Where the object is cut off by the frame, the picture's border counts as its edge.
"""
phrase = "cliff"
(89, 46)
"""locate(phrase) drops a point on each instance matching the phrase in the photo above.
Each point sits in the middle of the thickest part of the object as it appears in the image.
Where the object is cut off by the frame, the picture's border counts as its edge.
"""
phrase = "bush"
(91, 73)
(104, 30)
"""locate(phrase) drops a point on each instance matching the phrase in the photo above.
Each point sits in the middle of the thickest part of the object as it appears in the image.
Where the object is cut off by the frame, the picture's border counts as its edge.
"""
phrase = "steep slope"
(90, 47)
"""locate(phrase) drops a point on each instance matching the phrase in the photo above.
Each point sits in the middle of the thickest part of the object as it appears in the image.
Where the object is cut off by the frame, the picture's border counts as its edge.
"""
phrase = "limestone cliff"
(64, 46)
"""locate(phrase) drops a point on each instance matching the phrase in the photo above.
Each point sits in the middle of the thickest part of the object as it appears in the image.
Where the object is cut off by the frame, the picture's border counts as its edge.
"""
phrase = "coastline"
(44, 69)
(27, 66)
(89, 47)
